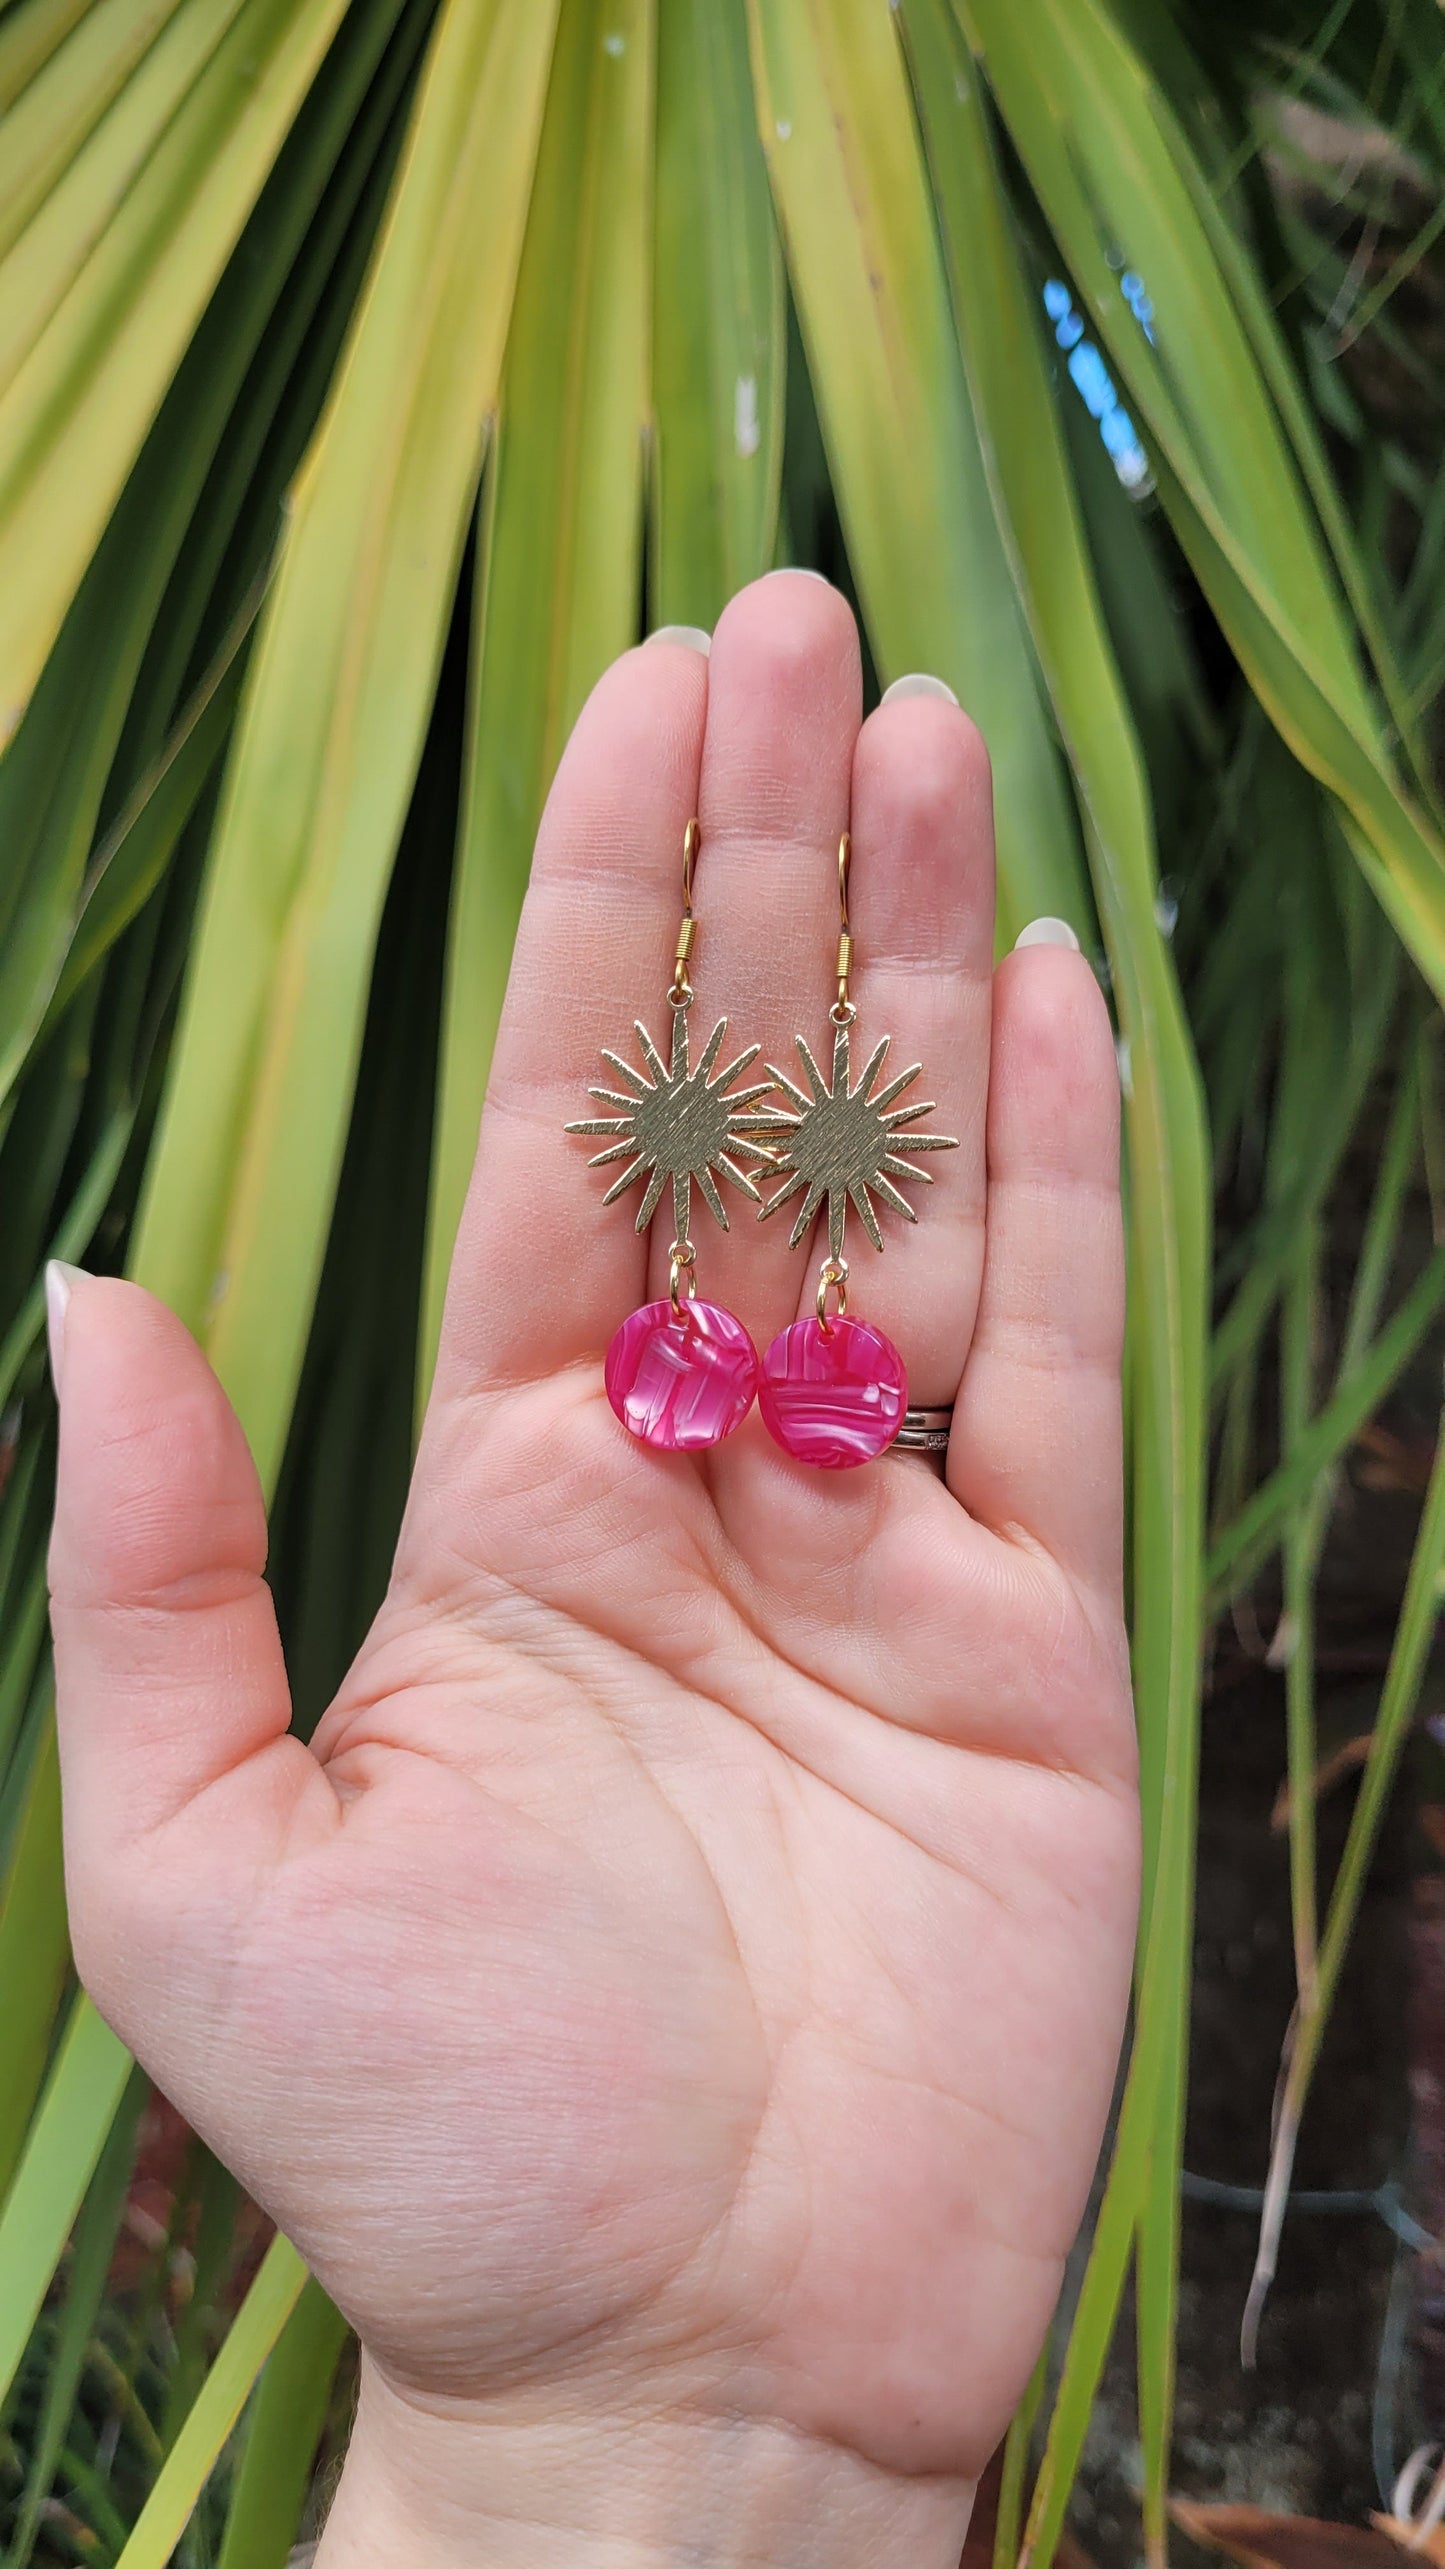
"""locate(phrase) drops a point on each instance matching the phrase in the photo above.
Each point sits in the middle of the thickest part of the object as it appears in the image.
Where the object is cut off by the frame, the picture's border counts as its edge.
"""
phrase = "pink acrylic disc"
(684, 1379)
(833, 1396)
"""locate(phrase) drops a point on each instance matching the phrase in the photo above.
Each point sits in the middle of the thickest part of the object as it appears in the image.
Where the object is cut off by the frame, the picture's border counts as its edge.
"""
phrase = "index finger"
(543, 1271)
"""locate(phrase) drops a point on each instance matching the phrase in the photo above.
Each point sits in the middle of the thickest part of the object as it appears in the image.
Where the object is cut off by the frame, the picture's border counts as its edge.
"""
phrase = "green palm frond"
(368, 376)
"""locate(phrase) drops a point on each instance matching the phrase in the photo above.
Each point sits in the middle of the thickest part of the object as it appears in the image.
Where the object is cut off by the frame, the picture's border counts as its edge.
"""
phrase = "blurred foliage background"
(372, 371)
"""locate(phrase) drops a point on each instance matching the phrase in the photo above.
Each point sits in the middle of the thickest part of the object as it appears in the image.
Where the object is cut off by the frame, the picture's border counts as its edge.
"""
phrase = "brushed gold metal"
(845, 1143)
(677, 1123)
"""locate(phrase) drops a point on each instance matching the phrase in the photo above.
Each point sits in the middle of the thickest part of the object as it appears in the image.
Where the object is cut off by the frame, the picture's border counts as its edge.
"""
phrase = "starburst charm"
(846, 1143)
(681, 1124)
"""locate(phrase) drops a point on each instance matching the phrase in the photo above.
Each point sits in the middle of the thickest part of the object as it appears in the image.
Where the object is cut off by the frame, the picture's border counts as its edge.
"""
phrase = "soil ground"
(1347, 2379)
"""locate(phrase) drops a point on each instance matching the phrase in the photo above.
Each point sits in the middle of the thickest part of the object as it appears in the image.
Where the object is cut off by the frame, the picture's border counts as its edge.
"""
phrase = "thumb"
(171, 1692)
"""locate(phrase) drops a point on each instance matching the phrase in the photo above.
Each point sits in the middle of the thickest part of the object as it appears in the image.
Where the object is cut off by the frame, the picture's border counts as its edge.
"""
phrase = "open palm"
(686, 1971)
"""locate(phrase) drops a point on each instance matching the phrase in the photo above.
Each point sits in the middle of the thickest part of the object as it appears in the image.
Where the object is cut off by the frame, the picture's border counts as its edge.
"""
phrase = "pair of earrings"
(683, 1373)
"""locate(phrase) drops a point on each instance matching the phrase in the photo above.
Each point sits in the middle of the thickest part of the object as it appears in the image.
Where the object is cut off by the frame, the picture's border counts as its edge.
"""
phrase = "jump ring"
(832, 1278)
(681, 1261)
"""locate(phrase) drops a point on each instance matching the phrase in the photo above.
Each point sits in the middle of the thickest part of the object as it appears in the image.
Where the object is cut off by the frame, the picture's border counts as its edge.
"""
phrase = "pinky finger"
(1037, 1442)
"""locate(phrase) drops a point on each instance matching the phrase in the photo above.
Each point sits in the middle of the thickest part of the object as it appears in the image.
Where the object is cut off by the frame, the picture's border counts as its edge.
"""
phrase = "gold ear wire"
(841, 1143)
(842, 1011)
(681, 991)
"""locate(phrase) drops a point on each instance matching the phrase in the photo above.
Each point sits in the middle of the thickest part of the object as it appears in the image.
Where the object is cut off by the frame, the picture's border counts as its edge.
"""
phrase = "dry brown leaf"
(1430, 2546)
(1395, 1462)
(1432, 1821)
(1262, 2540)
(1342, 1761)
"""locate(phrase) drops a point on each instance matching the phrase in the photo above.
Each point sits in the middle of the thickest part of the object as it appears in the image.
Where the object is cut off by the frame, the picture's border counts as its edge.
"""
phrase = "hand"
(673, 2003)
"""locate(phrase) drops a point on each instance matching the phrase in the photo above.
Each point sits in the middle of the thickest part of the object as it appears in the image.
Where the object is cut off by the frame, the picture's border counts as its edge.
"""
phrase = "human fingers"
(544, 1269)
(784, 704)
(920, 902)
(1036, 1445)
(171, 1692)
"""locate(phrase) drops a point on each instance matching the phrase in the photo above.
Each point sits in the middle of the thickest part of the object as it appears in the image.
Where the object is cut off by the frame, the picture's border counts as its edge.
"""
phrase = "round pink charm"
(833, 1396)
(682, 1380)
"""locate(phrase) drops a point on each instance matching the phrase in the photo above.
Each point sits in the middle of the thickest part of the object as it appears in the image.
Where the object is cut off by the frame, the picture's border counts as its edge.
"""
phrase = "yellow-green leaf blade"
(45, 129)
(82, 2093)
(192, 2458)
(73, 418)
(235, 1214)
(560, 574)
(852, 196)
(718, 341)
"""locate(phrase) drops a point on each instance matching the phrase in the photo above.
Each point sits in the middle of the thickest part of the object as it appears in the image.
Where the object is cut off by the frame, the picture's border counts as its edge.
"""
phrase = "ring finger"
(921, 888)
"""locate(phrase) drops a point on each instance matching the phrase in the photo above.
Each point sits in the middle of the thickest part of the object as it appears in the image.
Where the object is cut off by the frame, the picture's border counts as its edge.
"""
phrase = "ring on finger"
(925, 1431)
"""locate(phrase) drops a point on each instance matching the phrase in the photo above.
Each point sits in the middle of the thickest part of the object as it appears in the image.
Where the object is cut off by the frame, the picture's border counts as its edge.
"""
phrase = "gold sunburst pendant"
(679, 1123)
(847, 1143)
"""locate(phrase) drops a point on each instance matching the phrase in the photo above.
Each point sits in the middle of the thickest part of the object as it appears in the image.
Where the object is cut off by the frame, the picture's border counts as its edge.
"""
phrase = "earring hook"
(691, 841)
(842, 1011)
(680, 994)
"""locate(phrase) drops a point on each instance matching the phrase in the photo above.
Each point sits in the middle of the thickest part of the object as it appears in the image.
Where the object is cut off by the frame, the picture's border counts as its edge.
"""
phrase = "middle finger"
(784, 705)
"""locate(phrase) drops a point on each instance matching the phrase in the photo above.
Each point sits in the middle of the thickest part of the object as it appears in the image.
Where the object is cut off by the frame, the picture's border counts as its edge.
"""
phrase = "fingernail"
(1047, 932)
(797, 571)
(691, 634)
(58, 1281)
(918, 683)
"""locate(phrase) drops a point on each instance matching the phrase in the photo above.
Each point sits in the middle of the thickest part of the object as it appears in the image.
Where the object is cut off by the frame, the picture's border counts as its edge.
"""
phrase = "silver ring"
(925, 1431)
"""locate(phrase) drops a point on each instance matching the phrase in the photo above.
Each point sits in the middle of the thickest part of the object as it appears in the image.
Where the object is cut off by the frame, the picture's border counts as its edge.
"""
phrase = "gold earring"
(834, 1391)
(681, 1373)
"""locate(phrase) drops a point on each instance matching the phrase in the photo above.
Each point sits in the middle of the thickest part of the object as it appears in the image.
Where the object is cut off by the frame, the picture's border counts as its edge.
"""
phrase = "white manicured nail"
(58, 1280)
(797, 571)
(691, 634)
(1047, 932)
(918, 683)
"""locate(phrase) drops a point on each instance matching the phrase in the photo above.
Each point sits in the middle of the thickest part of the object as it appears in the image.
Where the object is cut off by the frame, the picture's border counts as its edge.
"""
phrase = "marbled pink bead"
(833, 1396)
(682, 1380)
